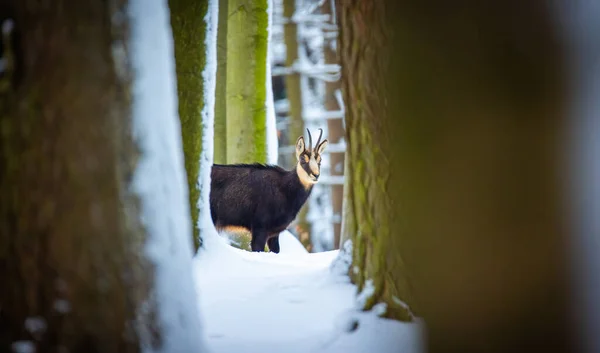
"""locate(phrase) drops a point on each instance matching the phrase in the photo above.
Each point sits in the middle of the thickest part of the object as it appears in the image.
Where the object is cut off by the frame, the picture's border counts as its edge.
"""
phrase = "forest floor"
(288, 302)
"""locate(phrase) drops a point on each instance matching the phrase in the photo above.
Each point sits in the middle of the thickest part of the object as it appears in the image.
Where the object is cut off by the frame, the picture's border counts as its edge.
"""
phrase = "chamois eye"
(306, 158)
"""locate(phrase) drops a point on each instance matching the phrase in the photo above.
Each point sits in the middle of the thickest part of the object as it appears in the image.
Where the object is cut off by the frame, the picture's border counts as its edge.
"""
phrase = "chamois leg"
(259, 240)
(273, 243)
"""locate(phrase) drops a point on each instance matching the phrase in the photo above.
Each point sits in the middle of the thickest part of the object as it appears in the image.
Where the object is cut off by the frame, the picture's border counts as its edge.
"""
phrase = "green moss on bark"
(220, 133)
(189, 32)
(453, 118)
(371, 219)
(246, 81)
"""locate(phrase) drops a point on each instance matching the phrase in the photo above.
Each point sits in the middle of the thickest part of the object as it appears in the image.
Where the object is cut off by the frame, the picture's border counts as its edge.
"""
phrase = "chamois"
(264, 199)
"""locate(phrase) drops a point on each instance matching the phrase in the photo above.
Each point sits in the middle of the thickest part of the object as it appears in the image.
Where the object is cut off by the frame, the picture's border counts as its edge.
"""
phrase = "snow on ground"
(287, 302)
(288, 243)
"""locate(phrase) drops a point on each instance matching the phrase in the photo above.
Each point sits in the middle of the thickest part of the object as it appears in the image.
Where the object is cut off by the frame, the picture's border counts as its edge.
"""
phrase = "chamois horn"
(309, 140)
(319, 140)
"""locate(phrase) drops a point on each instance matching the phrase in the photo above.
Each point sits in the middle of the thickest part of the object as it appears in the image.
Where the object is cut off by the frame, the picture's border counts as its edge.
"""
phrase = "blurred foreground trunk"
(73, 271)
(454, 115)
(374, 220)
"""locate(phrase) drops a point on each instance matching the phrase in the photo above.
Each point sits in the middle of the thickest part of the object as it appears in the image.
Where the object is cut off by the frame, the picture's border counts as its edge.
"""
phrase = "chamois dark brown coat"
(264, 199)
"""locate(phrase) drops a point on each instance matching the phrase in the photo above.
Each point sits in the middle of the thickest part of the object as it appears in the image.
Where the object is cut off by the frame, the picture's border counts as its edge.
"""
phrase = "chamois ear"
(321, 146)
(299, 147)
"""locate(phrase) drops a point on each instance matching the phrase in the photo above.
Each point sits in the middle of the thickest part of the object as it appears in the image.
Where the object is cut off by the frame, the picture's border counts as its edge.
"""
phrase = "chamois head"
(309, 159)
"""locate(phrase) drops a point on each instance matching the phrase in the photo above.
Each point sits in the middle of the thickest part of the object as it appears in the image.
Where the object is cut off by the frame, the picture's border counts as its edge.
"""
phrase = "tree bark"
(189, 32)
(335, 128)
(292, 81)
(246, 127)
(370, 149)
(294, 97)
(453, 120)
(71, 259)
(220, 129)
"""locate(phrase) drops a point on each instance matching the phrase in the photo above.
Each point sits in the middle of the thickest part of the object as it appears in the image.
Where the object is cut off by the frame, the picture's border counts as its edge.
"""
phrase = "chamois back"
(255, 196)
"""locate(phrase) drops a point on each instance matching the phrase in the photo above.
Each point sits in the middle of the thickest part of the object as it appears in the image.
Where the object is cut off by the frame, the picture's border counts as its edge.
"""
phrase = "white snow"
(343, 261)
(380, 309)
(159, 180)
(288, 244)
(209, 76)
(288, 302)
(365, 294)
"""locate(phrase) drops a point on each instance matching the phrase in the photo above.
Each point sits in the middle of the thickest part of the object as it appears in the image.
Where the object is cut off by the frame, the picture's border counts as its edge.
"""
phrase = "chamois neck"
(303, 177)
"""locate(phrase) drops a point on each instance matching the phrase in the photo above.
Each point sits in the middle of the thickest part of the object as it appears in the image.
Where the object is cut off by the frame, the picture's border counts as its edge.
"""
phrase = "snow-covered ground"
(287, 302)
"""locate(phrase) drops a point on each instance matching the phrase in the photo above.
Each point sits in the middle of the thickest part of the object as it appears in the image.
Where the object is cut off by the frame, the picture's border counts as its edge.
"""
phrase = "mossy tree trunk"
(189, 33)
(71, 262)
(453, 123)
(220, 130)
(246, 91)
(373, 224)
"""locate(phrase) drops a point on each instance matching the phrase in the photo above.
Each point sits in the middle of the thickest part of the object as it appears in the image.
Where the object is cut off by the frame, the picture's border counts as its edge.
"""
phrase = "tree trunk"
(71, 264)
(294, 97)
(246, 86)
(374, 229)
(220, 129)
(335, 128)
(292, 81)
(453, 120)
(189, 32)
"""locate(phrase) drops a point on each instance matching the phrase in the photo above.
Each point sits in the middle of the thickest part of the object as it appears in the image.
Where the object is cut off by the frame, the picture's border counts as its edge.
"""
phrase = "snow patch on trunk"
(341, 264)
(209, 75)
(367, 292)
(159, 180)
(272, 143)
